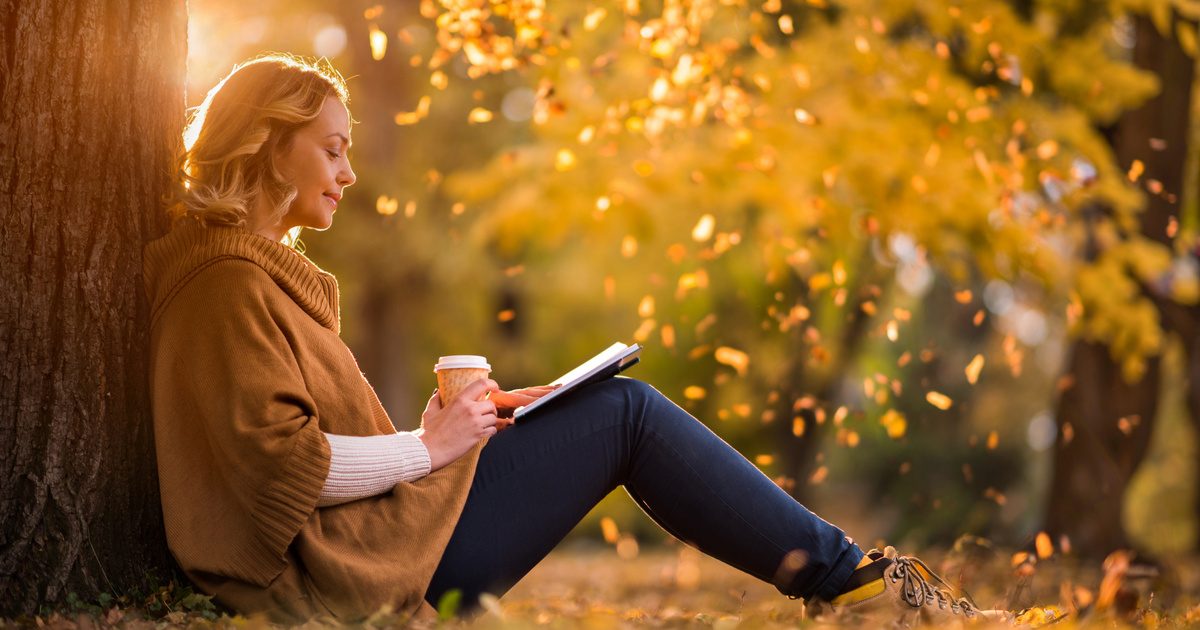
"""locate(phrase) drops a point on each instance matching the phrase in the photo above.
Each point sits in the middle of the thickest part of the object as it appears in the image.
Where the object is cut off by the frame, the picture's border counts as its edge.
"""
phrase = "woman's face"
(316, 163)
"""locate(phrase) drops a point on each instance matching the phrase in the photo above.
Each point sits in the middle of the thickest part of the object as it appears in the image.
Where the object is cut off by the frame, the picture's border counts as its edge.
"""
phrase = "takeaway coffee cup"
(456, 371)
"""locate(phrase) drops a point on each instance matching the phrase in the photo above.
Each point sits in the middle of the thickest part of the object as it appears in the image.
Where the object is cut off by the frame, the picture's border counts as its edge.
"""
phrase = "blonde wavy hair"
(230, 142)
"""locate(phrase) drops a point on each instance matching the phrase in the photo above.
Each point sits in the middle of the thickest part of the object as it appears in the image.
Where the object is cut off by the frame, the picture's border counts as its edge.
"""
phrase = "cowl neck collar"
(169, 262)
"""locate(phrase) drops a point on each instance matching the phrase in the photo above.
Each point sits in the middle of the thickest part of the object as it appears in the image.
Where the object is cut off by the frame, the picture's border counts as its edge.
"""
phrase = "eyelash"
(333, 155)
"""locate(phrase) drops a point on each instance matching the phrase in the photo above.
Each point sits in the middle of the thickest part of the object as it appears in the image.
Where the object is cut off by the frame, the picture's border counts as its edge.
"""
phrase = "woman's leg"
(536, 480)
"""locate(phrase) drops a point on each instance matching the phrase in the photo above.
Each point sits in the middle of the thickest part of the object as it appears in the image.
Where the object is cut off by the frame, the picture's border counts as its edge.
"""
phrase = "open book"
(612, 361)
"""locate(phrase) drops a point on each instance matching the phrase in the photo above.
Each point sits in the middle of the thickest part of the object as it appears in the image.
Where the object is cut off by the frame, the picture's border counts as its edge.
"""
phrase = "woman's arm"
(364, 466)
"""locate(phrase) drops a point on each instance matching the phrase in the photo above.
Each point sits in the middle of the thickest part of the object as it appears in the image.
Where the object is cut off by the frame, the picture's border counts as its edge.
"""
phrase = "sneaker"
(902, 592)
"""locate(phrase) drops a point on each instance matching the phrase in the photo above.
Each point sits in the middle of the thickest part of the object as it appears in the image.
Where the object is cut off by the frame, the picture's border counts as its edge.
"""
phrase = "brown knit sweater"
(247, 371)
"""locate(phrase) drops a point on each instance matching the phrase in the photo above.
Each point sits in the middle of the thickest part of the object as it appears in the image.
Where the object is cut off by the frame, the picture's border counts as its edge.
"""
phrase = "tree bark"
(1092, 470)
(91, 108)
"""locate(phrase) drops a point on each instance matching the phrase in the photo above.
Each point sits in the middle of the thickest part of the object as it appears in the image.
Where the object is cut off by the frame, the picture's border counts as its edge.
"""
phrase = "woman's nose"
(346, 177)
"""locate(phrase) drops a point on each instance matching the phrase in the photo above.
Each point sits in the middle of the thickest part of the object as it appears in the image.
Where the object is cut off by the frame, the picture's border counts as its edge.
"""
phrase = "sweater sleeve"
(364, 466)
(231, 369)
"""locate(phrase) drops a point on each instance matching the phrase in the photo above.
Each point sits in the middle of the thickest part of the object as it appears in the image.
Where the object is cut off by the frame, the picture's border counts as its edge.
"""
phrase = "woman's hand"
(507, 402)
(452, 430)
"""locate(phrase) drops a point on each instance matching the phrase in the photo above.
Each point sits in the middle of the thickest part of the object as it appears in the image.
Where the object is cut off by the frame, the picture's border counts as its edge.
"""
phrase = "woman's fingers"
(511, 399)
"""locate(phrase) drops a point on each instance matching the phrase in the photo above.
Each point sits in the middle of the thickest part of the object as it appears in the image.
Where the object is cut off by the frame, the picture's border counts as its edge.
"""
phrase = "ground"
(673, 586)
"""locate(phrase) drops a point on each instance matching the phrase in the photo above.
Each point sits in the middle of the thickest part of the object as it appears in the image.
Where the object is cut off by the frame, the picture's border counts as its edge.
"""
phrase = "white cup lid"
(460, 361)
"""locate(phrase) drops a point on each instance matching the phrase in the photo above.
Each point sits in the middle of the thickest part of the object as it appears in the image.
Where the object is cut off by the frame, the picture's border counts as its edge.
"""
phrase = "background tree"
(91, 108)
(1106, 414)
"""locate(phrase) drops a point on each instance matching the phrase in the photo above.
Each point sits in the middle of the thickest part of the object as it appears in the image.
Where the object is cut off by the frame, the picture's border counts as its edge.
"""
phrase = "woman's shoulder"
(225, 287)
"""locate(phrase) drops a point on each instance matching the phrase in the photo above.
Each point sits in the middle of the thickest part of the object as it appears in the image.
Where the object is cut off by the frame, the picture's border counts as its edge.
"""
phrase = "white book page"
(579, 374)
(591, 364)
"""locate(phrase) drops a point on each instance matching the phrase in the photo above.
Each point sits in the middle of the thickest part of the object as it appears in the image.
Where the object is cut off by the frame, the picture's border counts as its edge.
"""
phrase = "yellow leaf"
(378, 41)
(734, 358)
(939, 400)
(1044, 547)
(973, 369)
(1047, 149)
(592, 20)
(704, 229)
(564, 160)
(667, 332)
(694, 392)
(480, 115)
(1135, 170)
(895, 424)
(608, 527)
(644, 330)
(387, 206)
(646, 307)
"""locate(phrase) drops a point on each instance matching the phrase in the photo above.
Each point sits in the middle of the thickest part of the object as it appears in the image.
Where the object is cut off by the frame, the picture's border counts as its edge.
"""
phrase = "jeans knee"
(634, 389)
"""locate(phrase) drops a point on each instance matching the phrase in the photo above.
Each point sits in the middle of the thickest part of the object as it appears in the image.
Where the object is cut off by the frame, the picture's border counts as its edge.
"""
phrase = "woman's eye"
(333, 154)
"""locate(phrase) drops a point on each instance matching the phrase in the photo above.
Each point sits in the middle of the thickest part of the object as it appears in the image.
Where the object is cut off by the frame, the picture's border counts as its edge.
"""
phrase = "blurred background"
(860, 240)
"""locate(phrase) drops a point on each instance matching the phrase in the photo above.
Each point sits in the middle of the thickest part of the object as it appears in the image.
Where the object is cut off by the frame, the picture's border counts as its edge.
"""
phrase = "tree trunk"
(1092, 470)
(91, 108)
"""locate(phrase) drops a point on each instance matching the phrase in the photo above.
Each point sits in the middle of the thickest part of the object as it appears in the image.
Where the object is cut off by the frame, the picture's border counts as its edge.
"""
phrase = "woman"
(287, 491)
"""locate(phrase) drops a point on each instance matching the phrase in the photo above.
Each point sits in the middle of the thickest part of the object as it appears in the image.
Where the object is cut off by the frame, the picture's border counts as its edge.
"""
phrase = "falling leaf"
(593, 18)
(703, 229)
(993, 440)
(378, 41)
(764, 460)
(939, 400)
(734, 358)
(798, 426)
(667, 332)
(410, 118)
(629, 246)
(1045, 548)
(974, 368)
(564, 160)
(893, 330)
(785, 24)
(646, 307)
(387, 206)
(643, 331)
(819, 475)
(839, 272)
(481, 115)
(805, 118)
(963, 297)
(895, 424)
(694, 392)
(507, 315)
(1135, 170)
(608, 527)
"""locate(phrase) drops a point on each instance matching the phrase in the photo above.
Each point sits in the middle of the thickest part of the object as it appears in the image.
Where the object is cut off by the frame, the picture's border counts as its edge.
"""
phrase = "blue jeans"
(537, 479)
